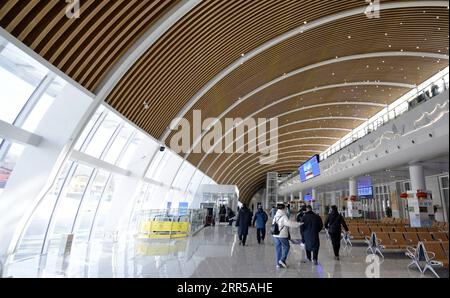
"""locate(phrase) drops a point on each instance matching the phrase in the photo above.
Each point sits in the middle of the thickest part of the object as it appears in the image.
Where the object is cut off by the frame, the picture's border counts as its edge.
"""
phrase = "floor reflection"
(214, 252)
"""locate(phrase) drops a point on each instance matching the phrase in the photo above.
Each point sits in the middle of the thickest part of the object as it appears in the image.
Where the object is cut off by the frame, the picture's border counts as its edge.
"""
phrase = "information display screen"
(309, 169)
(365, 192)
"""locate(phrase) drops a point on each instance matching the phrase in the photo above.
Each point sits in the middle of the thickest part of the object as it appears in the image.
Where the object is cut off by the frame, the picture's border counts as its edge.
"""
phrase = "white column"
(300, 195)
(417, 176)
(285, 198)
(313, 197)
(352, 191)
(352, 186)
(333, 198)
(292, 197)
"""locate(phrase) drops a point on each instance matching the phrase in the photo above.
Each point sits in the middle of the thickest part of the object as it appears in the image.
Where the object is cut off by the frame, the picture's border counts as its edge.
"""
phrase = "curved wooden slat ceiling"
(211, 37)
(86, 48)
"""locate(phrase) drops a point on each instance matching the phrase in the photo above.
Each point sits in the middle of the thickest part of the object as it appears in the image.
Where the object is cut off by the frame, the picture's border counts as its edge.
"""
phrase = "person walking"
(230, 216)
(260, 219)
(243, 221)
(273, 211)
(311, 226)
(281, 239)
(334, 224)
(299, 218)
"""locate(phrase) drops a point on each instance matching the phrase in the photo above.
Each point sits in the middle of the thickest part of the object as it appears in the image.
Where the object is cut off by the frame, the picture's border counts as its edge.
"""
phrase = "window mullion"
(33, 99)
(125, 148)
(93, 131)
(88, 188)
(49, 229)
(111, 141)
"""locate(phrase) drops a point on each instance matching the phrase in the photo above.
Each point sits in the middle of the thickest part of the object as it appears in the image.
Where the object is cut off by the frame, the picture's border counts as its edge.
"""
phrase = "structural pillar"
(333, 198)
(420, 203)
(314, 198)
(417, 176)
(353, 192)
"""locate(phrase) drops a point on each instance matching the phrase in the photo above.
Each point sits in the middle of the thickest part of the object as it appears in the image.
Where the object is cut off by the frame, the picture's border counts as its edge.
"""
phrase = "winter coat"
(334, 223)
(244, 220)
(283, 224)
(260, 218)
(312, 225)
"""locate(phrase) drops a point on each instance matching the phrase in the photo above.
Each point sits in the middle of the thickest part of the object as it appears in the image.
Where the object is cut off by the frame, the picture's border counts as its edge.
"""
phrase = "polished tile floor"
(214, 252)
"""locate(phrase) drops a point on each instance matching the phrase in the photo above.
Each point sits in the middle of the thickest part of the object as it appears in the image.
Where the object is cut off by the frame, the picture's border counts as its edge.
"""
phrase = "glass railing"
(405, 104)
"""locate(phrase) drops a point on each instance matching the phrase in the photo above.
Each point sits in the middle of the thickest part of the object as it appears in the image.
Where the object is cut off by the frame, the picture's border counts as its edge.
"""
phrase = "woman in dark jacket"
(243, 221)
(334, 224)
(312, 225)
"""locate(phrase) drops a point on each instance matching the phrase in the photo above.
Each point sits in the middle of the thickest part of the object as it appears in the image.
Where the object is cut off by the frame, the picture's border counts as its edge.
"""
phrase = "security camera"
(162, 148)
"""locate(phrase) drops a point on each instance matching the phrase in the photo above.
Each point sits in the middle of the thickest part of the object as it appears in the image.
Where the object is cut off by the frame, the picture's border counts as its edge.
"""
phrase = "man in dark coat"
(334, 224)
(299, 217)
(243, 221)
(312, 225)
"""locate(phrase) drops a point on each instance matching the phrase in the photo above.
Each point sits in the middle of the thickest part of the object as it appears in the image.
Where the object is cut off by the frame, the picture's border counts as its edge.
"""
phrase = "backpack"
(275, 229)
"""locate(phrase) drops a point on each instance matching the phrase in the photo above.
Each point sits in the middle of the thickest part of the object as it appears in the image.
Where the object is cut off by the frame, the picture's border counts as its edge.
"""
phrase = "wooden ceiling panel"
(212, 36)
(209, 49)
(85, 48)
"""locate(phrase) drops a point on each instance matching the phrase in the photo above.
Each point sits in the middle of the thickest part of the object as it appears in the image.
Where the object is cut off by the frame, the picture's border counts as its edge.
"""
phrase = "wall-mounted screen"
(365, 192)
(307, 197)
(309, 169)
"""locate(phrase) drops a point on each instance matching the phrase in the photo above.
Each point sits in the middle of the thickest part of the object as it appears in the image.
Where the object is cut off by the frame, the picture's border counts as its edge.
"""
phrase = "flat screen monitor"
(307, 197)
(365, 192)
(309, 169)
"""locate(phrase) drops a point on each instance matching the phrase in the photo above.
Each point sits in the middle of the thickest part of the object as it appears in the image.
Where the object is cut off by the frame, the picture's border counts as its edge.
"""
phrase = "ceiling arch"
(289, 112)
(316, 136)
(286, 76)
(301, 29)
(180, 55)
(226, 168)
(248, 161)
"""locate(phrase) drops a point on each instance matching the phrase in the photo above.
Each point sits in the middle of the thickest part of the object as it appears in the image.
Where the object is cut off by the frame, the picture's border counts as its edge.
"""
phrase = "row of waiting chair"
(433, 253)
(399, 240)
(360, 232)
(440, 224)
